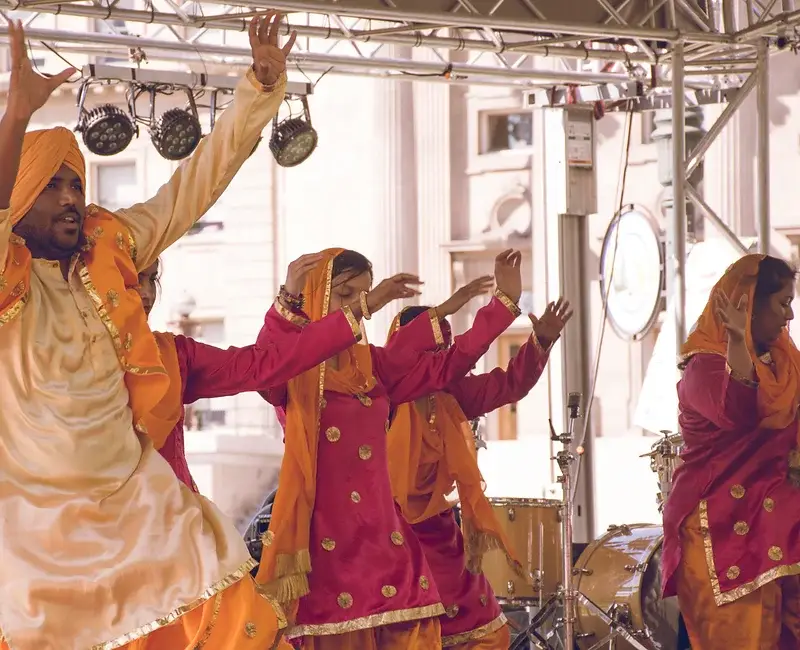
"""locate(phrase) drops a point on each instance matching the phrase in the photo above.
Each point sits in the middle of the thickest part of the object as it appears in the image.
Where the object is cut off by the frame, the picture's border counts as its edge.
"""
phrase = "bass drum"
(259, 525)
(621, 574)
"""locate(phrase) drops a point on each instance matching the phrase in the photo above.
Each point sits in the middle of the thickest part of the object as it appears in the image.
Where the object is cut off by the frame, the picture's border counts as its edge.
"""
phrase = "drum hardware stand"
(618, 620)
(475, 425)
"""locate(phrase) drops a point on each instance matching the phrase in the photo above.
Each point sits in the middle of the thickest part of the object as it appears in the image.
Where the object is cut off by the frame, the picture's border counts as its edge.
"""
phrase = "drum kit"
(612, 599)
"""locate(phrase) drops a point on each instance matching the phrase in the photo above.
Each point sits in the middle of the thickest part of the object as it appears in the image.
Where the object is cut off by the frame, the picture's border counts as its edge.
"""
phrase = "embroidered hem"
(722, 598)
(477, 633)
(147, 629)
(366, 622)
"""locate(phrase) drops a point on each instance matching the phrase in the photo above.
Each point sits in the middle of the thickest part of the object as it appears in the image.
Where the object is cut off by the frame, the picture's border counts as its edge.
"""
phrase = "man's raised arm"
(200, 180)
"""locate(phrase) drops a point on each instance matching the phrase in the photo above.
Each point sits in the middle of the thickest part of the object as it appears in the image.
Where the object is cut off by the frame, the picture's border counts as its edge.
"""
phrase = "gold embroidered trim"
(211, 623)
(102, 312)
(478, 633)
(367, 622)
(276, 606)
(436, 326)
(10, 314)
(510, 304)
(684, 359)
(745, 381)
(538, 344)
(351, 320)
(736, 593)
(293, 318)
(175, 614)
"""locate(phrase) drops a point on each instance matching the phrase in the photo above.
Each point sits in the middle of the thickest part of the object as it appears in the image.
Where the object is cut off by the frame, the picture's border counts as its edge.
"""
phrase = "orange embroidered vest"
(107, 269)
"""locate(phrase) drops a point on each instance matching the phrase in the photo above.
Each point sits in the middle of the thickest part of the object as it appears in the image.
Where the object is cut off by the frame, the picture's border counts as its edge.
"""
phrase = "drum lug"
(634, 568)
(510, 588)
(512, 514)
(582, 572)
(624, 529)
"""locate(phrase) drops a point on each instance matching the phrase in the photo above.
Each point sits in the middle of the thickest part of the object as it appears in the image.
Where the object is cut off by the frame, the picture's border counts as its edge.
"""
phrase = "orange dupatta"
(426, 460)
(165, 415)
(778, 392)
(285, 559)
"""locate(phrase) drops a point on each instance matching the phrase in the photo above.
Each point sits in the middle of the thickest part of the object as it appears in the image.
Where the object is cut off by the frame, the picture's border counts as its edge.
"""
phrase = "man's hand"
(548, 328)
(402, 285)
(298, 270)
(28, 90)
(269, 60)
(478, 287)
(508, 274)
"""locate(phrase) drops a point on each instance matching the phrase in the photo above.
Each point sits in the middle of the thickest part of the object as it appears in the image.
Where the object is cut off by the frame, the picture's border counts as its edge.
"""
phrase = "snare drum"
(533, 528)
(621, 574)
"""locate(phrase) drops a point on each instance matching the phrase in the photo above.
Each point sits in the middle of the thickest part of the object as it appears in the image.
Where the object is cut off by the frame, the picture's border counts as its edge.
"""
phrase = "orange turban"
(43, 153)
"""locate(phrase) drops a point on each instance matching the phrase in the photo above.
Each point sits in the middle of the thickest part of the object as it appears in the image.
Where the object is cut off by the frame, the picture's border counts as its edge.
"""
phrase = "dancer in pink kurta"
(431, 454)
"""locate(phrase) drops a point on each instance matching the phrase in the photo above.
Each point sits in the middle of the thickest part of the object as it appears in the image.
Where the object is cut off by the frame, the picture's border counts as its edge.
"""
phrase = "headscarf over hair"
(285, 559)
(43, 153)
(425, 464)
(778, 392)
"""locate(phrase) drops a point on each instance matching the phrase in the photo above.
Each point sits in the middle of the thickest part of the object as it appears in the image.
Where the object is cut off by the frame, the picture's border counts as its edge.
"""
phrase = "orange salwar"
(237, 618)
(415, 635)
(497, 640)
(765, 619)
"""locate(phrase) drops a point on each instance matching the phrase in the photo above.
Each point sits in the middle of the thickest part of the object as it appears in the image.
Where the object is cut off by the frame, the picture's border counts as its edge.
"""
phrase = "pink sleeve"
(282, 351)
(421, 334)
(409, 374)
(708, 392)
(481, 394)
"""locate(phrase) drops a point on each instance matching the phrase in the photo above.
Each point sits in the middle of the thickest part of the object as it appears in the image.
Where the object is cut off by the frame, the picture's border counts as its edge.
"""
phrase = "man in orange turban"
(101, 546)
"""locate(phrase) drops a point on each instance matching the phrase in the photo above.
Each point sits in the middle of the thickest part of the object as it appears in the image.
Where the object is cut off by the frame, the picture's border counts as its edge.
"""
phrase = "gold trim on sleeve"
(367, 622)
(510, 304)
(293, 318)
(351, 320)
(746, 381)
(478, 633)
(436, 326)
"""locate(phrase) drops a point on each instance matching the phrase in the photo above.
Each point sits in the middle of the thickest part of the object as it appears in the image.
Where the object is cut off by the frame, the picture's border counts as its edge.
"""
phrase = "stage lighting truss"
(293, 138)
(106, 129)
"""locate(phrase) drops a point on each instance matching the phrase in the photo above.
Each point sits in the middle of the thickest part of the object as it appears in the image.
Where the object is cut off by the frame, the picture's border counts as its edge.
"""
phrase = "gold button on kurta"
(775, 553)
(355, 497)
(365, 452)
(397, 538)
(424, 582)
(451, 611)
(333, 434)
(737, 491)
(769, 504)
(345, 600)
(328, 544)
(389, 591)
(732, 573)
(741, 528)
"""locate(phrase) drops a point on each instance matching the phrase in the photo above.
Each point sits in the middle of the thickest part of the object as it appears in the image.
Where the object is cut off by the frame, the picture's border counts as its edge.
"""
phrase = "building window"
(211, 330)
(508, 347)
(507, 131)
(115, 185)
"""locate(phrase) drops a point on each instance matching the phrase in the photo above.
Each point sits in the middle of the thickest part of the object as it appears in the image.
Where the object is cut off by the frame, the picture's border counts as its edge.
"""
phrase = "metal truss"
(522, 43)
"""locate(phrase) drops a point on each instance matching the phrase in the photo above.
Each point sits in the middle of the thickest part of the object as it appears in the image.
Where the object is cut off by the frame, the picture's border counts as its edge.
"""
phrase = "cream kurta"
(100, 543)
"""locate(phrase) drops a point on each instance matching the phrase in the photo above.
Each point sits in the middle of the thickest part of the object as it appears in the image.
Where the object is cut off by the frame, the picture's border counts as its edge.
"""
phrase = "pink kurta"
(471, 609)
(368, 569)
(736, 474)
(208, 372)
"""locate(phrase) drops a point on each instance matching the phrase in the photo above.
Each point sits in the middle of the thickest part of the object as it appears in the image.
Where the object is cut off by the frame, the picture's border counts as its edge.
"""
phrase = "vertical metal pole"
(678, 224)
(762, 158)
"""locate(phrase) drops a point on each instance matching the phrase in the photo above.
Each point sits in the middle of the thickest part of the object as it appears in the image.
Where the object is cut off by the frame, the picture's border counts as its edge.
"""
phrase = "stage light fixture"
(176, 134)
(294, 139)
(107, 129)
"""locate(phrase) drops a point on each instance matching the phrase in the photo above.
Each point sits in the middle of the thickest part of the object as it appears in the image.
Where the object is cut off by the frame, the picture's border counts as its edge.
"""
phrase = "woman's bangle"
(291, 300)
(365, 313)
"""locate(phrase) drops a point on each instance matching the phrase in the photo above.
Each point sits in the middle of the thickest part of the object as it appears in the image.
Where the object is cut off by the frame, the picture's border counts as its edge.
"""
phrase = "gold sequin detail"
(267, 538)
(775, 553)
(328, 544)
(250, 630)
(3, 283)
(345, 600)
(355, 497)
(120, 240)
(732, 573)
(451, 611)
(17, 291)
(98, 232)
(397, 538)
(737, 491)
(333, 434)
(741, 528)
(389, 591)
(484, 600)
(424, 583)
(769, 504)
(323, 403)
(365, 452)
(128, 343)
(364, 399)
(113, 298)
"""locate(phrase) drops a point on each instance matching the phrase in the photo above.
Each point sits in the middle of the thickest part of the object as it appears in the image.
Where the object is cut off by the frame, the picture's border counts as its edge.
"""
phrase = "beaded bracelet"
(291, 300)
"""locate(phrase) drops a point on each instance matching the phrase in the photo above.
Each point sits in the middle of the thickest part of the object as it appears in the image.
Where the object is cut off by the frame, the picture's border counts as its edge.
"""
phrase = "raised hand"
(477, 287)
(548, 328)
(508, 274)
(298, 270)
(28, 90)
(269, 60)
(402, 285)
(733, 317)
